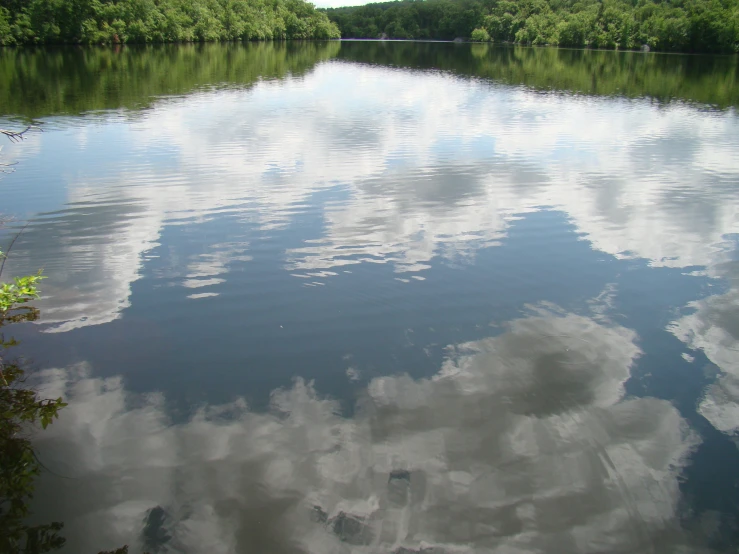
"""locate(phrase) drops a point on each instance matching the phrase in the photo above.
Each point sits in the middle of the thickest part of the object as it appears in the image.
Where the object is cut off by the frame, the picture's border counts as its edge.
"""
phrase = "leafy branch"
(20, 291)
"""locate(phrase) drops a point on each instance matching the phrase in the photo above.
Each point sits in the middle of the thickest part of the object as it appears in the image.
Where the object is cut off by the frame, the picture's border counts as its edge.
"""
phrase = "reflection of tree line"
(75, 80)
(40, 82)
(708, 80)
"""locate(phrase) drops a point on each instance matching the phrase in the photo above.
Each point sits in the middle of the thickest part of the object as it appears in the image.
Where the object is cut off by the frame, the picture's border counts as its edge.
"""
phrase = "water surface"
(382, 297)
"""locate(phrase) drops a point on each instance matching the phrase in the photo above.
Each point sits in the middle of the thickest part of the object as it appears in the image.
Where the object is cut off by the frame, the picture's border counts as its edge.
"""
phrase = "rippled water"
(382, 297)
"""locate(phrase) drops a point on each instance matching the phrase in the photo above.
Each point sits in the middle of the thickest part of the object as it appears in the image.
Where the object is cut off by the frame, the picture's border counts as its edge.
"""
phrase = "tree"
(480, 35)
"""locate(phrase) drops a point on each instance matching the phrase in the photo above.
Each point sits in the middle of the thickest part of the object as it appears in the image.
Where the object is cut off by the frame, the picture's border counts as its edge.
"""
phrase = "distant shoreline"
(520, 45)
(691, 27)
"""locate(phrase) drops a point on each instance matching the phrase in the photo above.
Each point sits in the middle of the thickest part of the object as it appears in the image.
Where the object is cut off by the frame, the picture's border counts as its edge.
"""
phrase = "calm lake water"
(370, 297)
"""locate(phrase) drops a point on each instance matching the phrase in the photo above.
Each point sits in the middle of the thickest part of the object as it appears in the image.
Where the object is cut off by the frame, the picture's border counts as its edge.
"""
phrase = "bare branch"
(10, 247)
(17, 136)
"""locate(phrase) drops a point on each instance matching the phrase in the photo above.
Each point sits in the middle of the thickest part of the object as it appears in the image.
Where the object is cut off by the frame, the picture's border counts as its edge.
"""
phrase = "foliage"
(21, 410)
(20, 291)
(665, 25)
(128, 21)
(480, 35)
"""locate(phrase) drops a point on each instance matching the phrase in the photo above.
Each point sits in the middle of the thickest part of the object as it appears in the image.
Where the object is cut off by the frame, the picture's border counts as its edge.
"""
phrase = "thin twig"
(17, 136)
(10, 247)
(47, 469)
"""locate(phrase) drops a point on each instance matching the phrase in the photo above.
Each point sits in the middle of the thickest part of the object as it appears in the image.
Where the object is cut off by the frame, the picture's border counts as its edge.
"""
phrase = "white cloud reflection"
(522, 442)
(204, 270)
(713, 327)
(418, 166)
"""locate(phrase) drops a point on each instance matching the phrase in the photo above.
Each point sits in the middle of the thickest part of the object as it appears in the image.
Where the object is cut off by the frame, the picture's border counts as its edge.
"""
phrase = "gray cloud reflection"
(522, 442)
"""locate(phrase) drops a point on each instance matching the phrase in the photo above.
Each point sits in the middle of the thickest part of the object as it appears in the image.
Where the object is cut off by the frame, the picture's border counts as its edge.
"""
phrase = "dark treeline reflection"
(38, 82)
(41, 82)
(704, 79)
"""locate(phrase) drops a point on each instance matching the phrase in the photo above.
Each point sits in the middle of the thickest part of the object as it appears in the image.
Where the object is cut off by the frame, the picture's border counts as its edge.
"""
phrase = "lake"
(381, 297)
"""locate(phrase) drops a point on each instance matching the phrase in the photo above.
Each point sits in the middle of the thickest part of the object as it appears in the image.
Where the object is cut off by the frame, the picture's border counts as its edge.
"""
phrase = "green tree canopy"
(708, 26)
(126, 21)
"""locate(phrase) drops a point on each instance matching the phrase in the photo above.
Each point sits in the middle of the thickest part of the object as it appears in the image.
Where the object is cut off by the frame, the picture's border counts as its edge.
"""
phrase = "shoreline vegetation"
(686, 26)
(157, 21)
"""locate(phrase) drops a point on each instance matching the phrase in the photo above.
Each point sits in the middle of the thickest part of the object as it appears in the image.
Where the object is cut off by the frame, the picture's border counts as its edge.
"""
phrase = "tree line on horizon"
(144, 21)
(698, 26)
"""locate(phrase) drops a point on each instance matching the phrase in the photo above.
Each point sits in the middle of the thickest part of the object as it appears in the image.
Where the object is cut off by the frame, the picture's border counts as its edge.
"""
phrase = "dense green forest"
(665, 25)
(126, 21)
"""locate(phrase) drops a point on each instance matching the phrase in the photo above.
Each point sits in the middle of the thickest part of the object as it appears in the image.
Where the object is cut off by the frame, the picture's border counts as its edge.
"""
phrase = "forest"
(698, 26)
(142, 21)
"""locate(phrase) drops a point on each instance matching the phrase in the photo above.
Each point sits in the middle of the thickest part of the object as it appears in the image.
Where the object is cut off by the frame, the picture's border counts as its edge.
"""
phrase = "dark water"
(382, 297)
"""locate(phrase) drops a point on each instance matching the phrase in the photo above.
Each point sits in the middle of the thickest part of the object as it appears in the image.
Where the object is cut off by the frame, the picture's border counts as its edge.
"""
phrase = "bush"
(480, 35)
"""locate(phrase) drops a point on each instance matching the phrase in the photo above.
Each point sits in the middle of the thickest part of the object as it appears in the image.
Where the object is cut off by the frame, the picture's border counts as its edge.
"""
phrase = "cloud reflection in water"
(522, 442)
(713, 327)
(426, 167)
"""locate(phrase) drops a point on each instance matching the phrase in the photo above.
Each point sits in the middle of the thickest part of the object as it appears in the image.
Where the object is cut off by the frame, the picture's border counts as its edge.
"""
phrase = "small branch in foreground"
(17, 136)
(4, 255)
